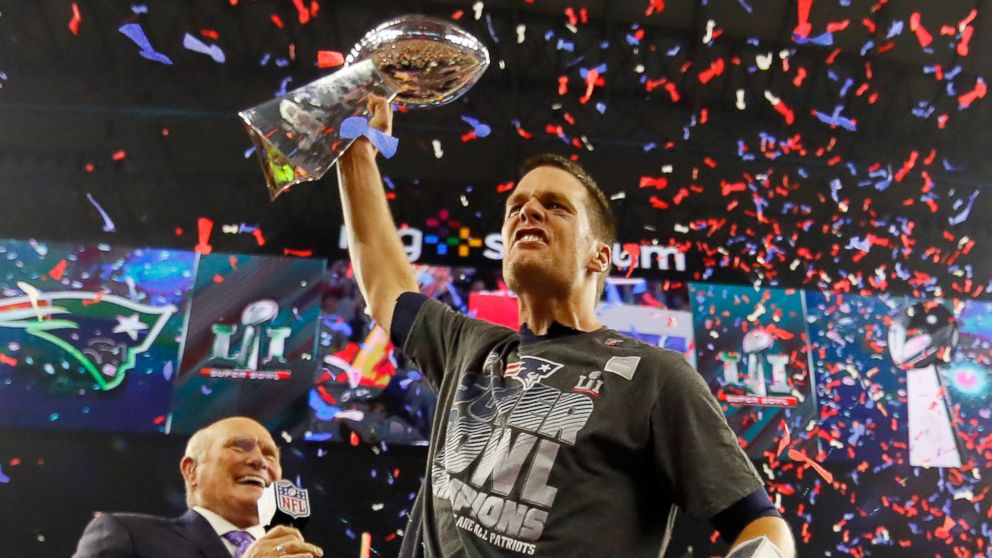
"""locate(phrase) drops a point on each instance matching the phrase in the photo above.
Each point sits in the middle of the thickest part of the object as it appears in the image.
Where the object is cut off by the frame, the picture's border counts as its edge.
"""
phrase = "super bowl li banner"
(752, 348)
(250, 341)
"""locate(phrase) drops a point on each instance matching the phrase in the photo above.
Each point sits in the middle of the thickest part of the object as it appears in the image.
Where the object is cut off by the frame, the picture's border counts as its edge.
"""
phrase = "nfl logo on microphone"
(292, 500)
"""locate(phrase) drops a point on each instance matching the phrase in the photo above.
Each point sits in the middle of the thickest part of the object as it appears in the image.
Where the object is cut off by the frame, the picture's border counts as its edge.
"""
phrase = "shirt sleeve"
(732, 521)
(435, 336)
(695, 451)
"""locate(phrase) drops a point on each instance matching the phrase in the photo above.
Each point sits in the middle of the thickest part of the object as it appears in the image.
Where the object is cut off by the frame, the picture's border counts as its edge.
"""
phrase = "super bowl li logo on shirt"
(504, 432)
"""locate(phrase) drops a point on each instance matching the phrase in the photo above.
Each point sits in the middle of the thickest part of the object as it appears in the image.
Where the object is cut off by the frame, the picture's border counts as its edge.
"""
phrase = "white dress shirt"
(223, 527)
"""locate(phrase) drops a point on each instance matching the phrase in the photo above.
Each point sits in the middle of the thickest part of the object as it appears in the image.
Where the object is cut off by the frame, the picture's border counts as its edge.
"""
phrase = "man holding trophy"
(565, 438)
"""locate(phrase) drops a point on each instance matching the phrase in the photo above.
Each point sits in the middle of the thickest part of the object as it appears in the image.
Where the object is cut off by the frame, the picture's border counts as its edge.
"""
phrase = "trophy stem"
(297, 137)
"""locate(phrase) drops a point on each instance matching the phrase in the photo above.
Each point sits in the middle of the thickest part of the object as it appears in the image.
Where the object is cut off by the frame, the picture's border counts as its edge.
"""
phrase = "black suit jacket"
(125, 535)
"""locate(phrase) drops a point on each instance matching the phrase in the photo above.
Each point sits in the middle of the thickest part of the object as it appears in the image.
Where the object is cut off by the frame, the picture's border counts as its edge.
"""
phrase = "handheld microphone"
(284, 503)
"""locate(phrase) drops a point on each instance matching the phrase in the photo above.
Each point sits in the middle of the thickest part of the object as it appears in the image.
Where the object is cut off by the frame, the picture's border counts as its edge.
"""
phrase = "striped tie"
(241, 540)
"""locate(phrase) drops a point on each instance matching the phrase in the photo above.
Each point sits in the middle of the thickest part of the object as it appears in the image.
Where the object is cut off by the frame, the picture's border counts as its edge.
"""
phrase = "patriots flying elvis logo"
(103, 333)
(529, 370)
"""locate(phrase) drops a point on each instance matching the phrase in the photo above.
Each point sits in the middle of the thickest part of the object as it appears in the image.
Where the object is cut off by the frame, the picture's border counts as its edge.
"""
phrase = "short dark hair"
(603, 223)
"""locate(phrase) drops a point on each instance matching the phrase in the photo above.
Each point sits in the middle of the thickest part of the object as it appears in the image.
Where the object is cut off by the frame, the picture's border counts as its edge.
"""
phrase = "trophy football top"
(415, 61)
(430, 62)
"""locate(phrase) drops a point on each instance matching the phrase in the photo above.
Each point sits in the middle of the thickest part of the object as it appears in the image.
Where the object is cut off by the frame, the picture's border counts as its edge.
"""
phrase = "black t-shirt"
(571, 444)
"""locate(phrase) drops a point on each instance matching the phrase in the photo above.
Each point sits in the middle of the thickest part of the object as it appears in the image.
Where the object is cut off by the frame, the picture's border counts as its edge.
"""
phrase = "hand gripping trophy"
(415, 61)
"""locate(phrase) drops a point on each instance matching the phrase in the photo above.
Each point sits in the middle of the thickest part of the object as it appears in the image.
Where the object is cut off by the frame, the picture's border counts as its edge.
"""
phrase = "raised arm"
(380, 263)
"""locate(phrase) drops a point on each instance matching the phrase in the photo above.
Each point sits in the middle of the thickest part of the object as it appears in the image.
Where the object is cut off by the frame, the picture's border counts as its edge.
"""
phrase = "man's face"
(239, 461)
(546, 232)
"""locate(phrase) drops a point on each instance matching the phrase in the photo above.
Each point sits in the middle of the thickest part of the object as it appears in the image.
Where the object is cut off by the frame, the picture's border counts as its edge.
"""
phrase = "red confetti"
(76, 19)
(655, 6)
(785, 111)
(922, 34)
(800, 76)
(945, 531)
(592, 80)
(8, 360)
(653, 84)
(204, 228)
(259, 238)
(570, 14)
(634, 250)
(965, 100)
(786, 439)
(837, 26)
(658, 203)
(727, 187)
(907, 166)
(329, 58)
(796, 455)
(803, 26)
(94, 300)
(59, 270)
(304, 13)
(779, 333)
(505, 187)
(962, 48)
(119, 155)
(659, 183)
(297, 253)
(715, 69)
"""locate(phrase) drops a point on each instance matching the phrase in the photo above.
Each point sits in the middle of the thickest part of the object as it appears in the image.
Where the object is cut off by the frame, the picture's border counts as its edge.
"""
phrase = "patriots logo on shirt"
(529, 370)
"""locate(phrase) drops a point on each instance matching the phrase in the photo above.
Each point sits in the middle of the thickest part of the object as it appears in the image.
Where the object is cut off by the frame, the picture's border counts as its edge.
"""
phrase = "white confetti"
(710, 25)
(764, 61)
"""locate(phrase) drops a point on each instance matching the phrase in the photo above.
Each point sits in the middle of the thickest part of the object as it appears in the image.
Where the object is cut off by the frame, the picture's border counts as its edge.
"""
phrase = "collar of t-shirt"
(555, 331)
(222, 527)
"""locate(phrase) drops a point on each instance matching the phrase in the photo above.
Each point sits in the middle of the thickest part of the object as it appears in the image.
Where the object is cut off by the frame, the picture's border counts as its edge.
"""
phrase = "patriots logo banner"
(90, 334)
(100, 333)
(530, 370)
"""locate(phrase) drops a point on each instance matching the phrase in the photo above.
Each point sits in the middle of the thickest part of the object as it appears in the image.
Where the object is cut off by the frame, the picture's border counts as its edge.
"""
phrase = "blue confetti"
(196, 45)
(134, 32)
